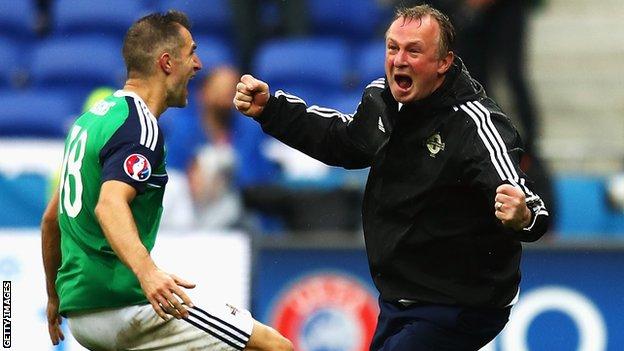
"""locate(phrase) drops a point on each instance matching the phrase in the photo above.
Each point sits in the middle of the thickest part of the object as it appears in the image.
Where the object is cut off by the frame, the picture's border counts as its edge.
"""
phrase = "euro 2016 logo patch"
(137, 167)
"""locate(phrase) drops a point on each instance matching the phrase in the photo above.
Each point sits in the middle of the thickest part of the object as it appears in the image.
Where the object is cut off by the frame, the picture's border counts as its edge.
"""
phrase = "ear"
(445, 63)
(164, 62)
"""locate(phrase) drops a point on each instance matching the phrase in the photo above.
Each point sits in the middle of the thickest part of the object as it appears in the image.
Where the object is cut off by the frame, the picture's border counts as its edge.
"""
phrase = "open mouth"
(403, 81)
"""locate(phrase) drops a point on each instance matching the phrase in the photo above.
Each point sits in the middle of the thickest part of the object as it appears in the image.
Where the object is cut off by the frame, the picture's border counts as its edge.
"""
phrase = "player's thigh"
(265, 338)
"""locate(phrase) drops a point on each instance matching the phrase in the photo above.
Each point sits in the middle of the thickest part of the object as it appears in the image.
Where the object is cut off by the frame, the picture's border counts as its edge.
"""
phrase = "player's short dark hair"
(149, 36)
(447, 31)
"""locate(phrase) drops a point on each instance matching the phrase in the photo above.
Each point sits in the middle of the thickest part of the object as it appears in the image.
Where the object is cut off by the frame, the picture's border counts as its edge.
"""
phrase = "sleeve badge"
(137, 167)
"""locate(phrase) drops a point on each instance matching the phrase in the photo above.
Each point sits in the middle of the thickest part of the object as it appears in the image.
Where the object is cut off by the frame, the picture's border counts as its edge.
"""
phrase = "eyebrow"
(419, 43)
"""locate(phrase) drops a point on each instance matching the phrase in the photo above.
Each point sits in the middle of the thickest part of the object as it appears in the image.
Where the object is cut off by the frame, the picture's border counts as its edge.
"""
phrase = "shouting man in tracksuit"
(446, 205)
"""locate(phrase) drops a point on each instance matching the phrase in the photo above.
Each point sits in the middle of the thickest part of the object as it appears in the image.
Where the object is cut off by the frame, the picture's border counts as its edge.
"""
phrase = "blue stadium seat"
(212, 17)
(213, 52)
(321, 63)
(370, 62)
(36, 113)
(352, 20)
(17, 18)
(110, 17)
(86, 61)
(22, 200)
(345, 103)
(10, 62)
(583, 211)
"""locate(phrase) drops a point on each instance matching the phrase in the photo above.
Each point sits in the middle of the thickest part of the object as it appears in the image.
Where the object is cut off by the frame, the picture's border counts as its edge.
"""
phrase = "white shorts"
(218, 327)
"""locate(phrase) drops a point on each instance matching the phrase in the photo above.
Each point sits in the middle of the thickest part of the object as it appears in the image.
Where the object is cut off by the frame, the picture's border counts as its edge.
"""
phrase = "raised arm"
(325, 134)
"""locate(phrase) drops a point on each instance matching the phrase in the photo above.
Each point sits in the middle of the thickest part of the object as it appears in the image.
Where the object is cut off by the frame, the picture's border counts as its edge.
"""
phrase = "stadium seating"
(36, 113)
(213, 17)
(319, 63)
(345, 103)
(22, 200)
(110, 17)
(351, 20)
(10, 60)
(370, 62)
(583, 211)
(83, 62)
(17, 18)
(213, 52)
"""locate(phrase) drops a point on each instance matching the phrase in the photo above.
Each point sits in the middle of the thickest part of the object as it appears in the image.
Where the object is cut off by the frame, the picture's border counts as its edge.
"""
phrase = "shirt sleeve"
(493, 158)
(133, 152)
(325, 134)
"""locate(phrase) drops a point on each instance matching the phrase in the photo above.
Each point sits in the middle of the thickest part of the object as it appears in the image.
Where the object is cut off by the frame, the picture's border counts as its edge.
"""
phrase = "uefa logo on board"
(326, 312)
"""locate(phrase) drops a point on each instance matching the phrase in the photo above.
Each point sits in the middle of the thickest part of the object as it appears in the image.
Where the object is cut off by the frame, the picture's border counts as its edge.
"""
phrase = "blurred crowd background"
(553, 65)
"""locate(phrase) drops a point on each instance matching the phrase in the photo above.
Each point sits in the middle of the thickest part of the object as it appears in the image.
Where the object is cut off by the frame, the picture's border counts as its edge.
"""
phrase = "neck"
(153, 93)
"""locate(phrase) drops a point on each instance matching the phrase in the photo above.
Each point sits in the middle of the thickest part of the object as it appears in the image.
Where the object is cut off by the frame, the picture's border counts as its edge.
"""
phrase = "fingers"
(510, 206)
(509, 189)
(175, 308)
(158, 309)
(182, 282)
(187, 301)
(54, 329)
(253, 85)
(166, 301)
(251, 95)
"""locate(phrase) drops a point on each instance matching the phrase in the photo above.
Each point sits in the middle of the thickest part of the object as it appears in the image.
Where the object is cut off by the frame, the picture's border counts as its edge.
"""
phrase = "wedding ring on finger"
(498, 206)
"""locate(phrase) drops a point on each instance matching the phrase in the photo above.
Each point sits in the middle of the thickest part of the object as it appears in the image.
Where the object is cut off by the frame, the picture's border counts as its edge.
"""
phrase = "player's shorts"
(218, 327)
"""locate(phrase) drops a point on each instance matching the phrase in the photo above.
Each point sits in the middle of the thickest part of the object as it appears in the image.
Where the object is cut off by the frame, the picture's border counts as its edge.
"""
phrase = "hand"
(54, 320)
(163, 290)
(251, 96)
(510, 206)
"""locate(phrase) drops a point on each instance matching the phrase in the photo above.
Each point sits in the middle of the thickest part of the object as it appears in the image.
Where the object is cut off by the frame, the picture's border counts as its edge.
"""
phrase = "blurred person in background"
(43, 17)
(99, 227)
(251, 29)
(446, 205)
(229, 158)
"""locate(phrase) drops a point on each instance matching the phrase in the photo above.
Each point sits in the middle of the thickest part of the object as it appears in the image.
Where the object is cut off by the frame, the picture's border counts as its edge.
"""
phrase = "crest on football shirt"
(435, 144)
(137, 167)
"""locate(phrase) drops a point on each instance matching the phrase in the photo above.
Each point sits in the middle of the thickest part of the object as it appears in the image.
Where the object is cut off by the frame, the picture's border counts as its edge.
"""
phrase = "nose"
(400, 59)
(198, 64)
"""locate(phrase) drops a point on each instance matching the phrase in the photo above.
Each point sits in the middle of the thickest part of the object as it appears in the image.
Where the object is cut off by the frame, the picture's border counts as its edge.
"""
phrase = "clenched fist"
(251, 96)
(510, 206)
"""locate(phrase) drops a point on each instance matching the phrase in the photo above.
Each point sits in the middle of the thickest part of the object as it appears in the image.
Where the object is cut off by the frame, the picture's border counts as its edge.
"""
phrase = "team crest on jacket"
(137, 167)
(434, 144)
(326, 311)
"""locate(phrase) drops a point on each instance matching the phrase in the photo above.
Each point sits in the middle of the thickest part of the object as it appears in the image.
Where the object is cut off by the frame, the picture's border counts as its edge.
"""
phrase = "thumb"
(182, 282)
